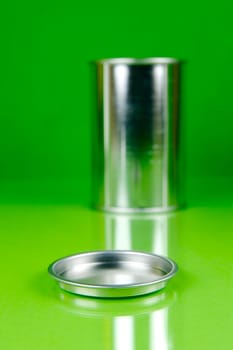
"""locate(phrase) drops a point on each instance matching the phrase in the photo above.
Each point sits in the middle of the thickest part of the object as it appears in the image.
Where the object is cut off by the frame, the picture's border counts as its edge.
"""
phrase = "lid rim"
(168, 275)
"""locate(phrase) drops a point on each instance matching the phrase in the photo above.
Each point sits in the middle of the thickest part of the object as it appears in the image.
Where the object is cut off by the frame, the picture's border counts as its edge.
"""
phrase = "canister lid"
(113, 273)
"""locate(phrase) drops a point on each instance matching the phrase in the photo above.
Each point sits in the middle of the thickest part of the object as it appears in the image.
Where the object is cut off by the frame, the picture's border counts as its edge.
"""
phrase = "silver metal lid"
(113, 273)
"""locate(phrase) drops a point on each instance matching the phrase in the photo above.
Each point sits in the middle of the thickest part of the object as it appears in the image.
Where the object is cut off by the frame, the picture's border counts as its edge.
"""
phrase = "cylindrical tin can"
(136, 144)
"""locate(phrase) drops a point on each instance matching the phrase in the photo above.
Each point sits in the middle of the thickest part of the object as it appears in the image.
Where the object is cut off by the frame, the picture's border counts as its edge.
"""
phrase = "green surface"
(194, 312)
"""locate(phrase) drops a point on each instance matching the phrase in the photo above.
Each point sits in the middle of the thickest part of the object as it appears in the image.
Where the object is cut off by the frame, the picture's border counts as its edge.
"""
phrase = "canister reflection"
(138, 232)
(159, 335)
(124, 333)
(154, 326)
(143, 233)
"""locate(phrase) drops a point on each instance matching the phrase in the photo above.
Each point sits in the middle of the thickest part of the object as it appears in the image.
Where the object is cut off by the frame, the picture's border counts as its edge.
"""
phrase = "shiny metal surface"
(136, 153)
(110, 274)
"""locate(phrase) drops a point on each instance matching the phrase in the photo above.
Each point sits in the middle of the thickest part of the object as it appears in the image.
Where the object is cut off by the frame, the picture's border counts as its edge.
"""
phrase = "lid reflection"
(95, 307)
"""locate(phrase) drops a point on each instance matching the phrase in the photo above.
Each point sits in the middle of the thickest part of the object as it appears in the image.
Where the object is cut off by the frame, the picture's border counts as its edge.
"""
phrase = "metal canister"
(136, 143)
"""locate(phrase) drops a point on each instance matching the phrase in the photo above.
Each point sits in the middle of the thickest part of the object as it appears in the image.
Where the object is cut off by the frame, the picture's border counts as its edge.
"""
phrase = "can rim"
(138, 61)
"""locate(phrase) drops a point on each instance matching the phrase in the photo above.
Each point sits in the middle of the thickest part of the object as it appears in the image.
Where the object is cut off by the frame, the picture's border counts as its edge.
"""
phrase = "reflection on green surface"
(150, 233)
(129, 320)
(149, 314)
(95, 307)
(198, 239)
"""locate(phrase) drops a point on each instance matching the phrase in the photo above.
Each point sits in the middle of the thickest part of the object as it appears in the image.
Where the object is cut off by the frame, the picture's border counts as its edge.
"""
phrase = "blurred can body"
(136, 144)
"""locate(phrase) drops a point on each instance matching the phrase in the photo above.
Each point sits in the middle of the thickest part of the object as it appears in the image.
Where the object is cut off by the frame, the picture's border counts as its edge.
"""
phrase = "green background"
(46, 102)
